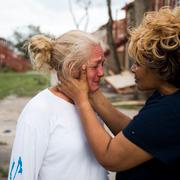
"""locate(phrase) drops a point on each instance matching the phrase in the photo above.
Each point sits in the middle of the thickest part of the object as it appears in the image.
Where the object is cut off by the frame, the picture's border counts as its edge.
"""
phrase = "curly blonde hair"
(64, 54)
(156, 43)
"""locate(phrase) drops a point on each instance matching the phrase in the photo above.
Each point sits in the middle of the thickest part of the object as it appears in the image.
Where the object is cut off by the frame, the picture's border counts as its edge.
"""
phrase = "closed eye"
(97, 64)
(94, 67)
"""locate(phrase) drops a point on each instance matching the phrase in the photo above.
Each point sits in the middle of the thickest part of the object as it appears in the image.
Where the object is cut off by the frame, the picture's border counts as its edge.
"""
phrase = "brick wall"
(10, 59)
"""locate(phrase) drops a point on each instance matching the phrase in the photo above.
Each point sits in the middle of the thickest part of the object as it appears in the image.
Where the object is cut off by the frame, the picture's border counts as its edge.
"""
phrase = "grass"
(21, 84)
(3, 172)
(3, 143)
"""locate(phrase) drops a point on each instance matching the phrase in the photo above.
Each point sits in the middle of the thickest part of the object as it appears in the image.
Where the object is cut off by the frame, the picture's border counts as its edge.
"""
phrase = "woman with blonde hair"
(50, 143)
(146, 147)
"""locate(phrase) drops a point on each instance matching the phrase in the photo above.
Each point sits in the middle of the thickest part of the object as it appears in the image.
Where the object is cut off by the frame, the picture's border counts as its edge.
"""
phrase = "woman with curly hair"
(146, 147)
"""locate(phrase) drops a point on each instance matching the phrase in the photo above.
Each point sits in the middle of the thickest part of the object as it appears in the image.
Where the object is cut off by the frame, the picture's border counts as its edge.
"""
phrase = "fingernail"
(83, 67)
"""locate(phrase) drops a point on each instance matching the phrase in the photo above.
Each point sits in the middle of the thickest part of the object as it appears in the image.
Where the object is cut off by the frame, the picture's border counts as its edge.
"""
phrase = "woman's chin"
(93, 89)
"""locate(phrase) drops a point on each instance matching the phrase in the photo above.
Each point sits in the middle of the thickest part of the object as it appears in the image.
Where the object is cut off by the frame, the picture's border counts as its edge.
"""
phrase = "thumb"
(83, 75)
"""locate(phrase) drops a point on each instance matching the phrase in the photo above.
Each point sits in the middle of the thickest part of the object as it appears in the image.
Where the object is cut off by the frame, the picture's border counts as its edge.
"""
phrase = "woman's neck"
(167, 89)
(60, 94)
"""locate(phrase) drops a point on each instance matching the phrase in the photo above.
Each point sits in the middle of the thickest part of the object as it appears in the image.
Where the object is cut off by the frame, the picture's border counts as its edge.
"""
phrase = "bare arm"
(115, 154)
(113, 118)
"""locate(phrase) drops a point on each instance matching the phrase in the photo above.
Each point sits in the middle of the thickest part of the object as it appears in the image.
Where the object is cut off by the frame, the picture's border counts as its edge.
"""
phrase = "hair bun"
(39, 50)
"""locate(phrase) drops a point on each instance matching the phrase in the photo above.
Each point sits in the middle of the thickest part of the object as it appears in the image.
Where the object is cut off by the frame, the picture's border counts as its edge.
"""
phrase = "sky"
(53, 16)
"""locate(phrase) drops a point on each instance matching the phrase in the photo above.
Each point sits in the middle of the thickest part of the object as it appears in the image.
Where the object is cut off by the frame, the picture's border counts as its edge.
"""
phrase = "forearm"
(98, 138)
(114, 119)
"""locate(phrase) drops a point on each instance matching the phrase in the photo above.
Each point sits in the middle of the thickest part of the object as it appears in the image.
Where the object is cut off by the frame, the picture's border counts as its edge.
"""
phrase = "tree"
(141, 6)
(111, 39)
(85, 5)
(21, 35)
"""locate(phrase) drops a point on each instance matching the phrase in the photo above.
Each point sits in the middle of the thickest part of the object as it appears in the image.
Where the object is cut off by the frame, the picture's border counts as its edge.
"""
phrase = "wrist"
(93, 96)
(83, 104)
(81, 100)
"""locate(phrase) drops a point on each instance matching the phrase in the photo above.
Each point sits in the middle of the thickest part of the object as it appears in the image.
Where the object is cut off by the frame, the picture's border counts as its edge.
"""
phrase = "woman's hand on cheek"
(76, 89)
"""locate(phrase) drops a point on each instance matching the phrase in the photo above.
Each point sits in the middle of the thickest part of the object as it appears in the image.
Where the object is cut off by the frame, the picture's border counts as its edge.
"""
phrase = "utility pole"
(111, 39)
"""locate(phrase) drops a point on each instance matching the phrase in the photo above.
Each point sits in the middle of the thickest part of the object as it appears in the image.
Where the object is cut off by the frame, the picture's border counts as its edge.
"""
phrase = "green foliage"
(3, 172)
(22, 84)
(3, 143)
(21, 35)
(5, 69)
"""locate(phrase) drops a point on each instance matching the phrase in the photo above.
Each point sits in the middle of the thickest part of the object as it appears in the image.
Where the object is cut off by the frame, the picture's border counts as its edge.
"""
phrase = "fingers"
(63, 88)
(83, 67)
(61, 78)
(58, 87)
(83, 76)
(64, 80)
(83, 73)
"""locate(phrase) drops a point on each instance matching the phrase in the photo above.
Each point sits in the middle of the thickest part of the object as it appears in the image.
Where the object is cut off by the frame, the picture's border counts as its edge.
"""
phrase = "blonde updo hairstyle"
(156, 43)
(65, 54)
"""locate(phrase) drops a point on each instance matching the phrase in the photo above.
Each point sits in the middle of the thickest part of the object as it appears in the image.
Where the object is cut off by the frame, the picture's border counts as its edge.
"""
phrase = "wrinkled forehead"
(97, 53)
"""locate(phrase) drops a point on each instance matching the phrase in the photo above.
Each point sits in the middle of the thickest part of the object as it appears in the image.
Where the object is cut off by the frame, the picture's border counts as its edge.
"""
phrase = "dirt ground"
(10, 109)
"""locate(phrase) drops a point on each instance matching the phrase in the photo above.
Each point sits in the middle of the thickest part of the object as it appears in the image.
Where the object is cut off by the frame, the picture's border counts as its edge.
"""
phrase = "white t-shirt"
(50, 143)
